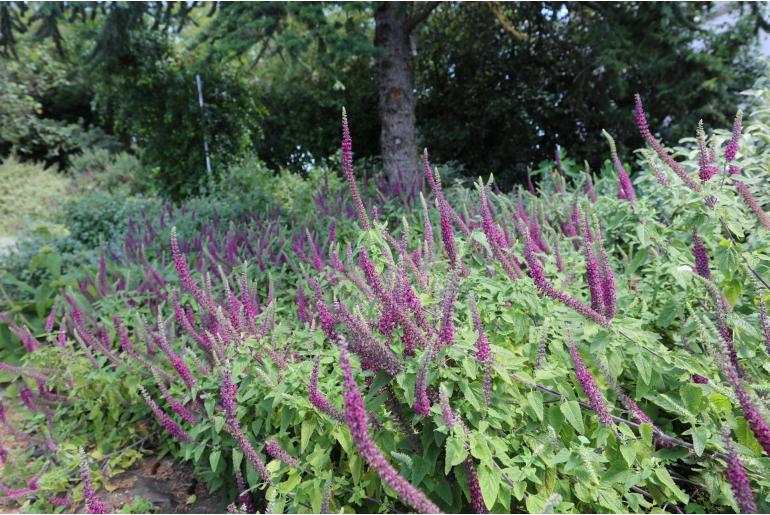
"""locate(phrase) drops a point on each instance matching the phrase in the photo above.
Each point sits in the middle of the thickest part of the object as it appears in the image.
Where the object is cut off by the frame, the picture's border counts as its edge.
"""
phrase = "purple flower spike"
(764, 321)
(592, 269)
(548, 290)
(644, 129)
(172, 427)
(447, 235)
(93, 502)
(477, 498)
(273, 449)
(706, 166)
(625, 188)
(752, 203)
(701, 256)
(317, 399)
(324, 314)
(357, 420)
(227, 395)
(732, 147)
(51, 320)
(347, 168)
(740, 484)
(421, 401)
(587, 383)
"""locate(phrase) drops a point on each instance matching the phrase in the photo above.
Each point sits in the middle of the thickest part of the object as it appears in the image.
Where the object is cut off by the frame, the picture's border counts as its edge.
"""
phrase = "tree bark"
(398, 141)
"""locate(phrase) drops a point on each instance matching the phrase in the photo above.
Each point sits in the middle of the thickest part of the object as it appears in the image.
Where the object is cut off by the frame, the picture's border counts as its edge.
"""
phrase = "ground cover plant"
(584, 343)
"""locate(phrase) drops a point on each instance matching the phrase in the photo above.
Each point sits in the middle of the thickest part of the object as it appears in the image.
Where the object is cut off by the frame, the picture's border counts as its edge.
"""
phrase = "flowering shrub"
(591, 344)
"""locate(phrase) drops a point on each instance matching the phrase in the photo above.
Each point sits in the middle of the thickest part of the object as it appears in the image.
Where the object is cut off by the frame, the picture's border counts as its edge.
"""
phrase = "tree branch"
(420, 16)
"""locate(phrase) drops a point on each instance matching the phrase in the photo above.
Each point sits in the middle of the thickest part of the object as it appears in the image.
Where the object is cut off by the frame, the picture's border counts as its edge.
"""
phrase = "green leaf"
(214, 459)
(629, 453)
(306, 431)
(571, 411)
(535, 400)
(455, 453)
(665, 478)
(479, 447)
(489, 481)
(700, 436)
(644, 368)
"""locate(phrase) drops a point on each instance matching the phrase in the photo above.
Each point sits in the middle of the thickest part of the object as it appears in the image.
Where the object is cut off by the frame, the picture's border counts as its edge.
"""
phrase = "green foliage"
(28, 193)
(99, 169)
(154, 99)
(500, 104)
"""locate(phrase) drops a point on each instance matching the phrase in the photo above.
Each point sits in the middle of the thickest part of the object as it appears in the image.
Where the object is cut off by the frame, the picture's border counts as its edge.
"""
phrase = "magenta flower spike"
(764, 322)
(482, 343)
(589, 189)
(752, 203)
(625, 188)
(94, 503)
(548, 290)
(609, 293)
(644, 129)
(325, 316)
(497, 241)
(51, 320)
(739, 483)
(447, 234)
(734, 144)
(274, 450)
(358, 422)
(477, 498)
(167, 422)
(347, 169)
(592, 268)
(317, 399)
(701, 256)
(421, 400)
(706, 167)
(244, 496)
(256, 461)
(587, 383)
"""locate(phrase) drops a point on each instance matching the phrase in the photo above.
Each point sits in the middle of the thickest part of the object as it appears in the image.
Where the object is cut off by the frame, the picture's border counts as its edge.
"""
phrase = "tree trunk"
(398, 142)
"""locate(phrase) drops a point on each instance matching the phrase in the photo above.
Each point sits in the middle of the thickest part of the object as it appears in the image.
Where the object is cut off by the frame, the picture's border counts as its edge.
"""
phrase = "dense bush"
(28, 193)
(594, 344)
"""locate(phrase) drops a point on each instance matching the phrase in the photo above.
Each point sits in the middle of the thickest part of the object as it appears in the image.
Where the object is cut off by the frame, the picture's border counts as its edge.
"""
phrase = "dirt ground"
(171, 487)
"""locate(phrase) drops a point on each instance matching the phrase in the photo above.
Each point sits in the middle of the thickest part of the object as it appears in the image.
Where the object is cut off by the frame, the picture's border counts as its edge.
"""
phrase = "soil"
(170, 486)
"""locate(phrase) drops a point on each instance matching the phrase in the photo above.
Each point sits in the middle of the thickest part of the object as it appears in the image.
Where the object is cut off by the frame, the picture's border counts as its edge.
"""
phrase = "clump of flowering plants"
(574, 347)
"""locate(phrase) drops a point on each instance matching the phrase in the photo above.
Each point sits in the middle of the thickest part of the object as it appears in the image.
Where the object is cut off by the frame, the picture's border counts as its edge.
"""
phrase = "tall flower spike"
(707, 170)
(447, 234)
(752, 203)
(547, 289)
(701, 256)
(624, 182)
(358, 422)
(94, 504)
(592, 268)
(316, 398)
(763, 320)
(587, 383)
(734, 144)
(274, 450)
(609, 293)
(167, 422)
(347, 168)
(421, 401)
(736, 476)
(644, 129)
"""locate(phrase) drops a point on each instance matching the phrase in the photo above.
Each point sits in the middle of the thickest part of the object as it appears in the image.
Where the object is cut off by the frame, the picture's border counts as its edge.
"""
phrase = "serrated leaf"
(455, 453)
(535, 400)
(644, 368)
(700, 436)
(489, 481)
(571, 411)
